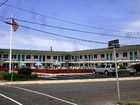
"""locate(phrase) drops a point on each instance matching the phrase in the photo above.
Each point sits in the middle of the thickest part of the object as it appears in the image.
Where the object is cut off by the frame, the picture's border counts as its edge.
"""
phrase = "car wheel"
(93, 72)
(106, 73)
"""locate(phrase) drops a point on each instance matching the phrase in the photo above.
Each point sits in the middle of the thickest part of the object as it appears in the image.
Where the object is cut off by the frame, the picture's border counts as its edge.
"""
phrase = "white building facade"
(83, 58)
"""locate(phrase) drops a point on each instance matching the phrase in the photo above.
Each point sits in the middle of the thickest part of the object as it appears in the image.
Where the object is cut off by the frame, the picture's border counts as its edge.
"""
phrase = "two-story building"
(83, 58)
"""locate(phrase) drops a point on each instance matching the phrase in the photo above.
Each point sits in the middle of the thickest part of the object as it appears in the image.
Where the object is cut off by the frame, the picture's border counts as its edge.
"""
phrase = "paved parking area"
(87, 93)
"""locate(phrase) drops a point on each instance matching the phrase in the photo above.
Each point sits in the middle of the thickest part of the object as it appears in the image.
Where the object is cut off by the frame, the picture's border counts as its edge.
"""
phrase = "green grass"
(129, 103)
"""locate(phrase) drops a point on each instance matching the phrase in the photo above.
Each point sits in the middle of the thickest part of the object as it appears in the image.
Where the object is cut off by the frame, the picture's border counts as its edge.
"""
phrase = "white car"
(104, 69)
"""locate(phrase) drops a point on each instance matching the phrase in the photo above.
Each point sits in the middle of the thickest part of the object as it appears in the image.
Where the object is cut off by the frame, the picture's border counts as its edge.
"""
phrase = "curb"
(67, 81)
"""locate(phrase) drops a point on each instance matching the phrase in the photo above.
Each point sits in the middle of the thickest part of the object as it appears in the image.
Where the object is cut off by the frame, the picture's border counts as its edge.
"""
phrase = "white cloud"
(132, 29)
(40, 43)
(133, 26)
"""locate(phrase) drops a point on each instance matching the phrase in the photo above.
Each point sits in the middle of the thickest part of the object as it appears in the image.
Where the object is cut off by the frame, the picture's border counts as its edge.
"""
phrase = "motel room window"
(135, 55)
(62, 58)
(85, 56)
(80, 56)
(14, 56)
(5, 56)
(102, 55)
(0, 55)
(35, 56)
(43, 57)
(72, 57)
(59, 58)
(54, 57)
(131, 55)
(28, 56)
(124, 54)
(95, 56)
(48, 57)
(117, 55)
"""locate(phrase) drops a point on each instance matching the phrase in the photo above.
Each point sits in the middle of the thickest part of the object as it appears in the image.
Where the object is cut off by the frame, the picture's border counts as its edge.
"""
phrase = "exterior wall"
(86, 58)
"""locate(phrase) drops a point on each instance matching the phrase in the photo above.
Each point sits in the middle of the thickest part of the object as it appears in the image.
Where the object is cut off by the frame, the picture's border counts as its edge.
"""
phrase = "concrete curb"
(68, 81)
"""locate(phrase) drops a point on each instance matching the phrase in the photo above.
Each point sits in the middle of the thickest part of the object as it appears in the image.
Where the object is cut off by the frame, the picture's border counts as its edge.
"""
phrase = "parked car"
(135, 67)
(104, 69)
(126, 70)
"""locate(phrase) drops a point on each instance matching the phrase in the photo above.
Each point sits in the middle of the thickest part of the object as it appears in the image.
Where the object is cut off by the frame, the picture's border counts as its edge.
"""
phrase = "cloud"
(133, 26)
(34, 42)
(132, 29)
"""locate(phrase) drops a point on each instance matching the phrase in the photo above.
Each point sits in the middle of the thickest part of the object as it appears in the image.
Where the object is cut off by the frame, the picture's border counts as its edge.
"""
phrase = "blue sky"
(117, 15)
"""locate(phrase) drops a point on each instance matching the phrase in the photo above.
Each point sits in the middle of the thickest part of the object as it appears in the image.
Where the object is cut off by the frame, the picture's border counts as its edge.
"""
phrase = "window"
(0, 56)
(124, 54)
(80, 56)
(95, 55)
(14, 56)
(102, 66)
(35, 56)
(117, 55)
(107, 56)
(108, 66)
(131, 55)
(110, 56)
(135, 55)
(72, 57)
(5, 56)
(102, 55)
(85, 56)
(66, 57)
(28, 56)
(48, 57)
(43, 57)
(54, 57)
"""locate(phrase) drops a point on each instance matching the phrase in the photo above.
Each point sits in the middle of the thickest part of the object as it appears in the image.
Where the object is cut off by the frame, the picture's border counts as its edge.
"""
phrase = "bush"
(2, 73)
(19, 77)
(137, 67)
(25, 71)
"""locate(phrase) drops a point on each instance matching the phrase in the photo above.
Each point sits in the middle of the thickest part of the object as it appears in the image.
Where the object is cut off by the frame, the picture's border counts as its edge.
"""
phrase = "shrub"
(25, 71)
(23, 75)
(137, 67)
(19, 77)
(2, 73)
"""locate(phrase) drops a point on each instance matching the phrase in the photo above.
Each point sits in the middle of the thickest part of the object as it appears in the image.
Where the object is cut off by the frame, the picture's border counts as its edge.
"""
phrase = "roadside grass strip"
(129, 103)
(43, 94)
(10, 99)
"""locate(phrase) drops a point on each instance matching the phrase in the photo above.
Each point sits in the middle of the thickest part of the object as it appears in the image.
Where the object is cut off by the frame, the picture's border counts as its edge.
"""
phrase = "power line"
(2, 3)
(59, 34)
(104, 34)
(70, 22)
(70, 29)
(2, 19)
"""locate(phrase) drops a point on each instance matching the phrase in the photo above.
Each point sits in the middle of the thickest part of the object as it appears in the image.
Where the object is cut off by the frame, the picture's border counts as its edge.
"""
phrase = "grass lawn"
(129, 103)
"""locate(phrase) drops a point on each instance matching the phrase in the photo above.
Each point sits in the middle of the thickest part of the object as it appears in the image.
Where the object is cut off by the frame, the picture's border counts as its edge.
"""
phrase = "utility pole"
(113, 45)
(117, 77)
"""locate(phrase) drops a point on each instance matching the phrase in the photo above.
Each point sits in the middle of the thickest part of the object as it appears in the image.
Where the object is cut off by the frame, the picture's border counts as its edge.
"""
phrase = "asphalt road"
(92, 93)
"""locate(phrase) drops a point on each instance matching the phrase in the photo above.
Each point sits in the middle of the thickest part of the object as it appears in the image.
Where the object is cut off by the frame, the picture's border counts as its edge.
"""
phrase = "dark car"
(126, 70)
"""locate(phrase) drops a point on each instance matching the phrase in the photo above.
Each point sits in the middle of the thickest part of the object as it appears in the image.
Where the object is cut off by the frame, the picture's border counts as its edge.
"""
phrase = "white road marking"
(11, 99)
(59, 99)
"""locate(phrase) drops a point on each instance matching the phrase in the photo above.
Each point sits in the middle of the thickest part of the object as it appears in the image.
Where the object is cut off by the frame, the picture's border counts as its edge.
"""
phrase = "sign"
(113, 44)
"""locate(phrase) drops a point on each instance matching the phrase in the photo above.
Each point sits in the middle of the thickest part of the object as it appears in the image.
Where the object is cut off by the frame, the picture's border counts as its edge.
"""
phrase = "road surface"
(90, 93)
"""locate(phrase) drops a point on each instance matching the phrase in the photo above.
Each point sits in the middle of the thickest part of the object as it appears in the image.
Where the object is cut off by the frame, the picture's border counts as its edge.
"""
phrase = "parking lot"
(87, 76)
(69, 93)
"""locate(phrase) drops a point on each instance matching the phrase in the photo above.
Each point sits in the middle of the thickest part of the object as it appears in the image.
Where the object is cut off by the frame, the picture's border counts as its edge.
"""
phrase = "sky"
(112, 18)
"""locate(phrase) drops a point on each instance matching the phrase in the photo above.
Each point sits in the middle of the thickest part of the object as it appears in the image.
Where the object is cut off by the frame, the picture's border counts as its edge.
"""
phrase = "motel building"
(84, 58)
